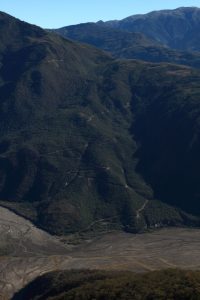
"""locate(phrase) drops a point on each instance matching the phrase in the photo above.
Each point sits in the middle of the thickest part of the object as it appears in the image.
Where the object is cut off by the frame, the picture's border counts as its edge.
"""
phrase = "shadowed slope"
(77, 128)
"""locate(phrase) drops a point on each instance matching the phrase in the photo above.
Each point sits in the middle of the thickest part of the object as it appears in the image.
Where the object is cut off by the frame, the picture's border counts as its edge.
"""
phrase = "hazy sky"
(54, 14)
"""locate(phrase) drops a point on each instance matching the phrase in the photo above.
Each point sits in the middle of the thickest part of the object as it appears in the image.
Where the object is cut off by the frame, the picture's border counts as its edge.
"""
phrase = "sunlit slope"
(129, 45)
(177, 29)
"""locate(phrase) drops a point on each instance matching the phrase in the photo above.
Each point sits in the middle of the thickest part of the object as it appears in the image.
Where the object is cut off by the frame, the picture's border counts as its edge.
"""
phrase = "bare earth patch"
(27, 252)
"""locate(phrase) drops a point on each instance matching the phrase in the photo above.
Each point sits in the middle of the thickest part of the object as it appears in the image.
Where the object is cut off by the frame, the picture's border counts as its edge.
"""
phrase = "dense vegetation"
(100, 285)
(178, 29)
(86, 138)
(129, 45)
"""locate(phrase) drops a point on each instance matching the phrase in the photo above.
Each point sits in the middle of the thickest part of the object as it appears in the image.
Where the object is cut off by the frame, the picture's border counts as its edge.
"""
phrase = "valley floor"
(164, 248)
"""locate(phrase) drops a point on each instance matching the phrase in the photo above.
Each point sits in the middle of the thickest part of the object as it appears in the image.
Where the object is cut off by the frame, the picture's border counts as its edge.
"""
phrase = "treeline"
(102, 285)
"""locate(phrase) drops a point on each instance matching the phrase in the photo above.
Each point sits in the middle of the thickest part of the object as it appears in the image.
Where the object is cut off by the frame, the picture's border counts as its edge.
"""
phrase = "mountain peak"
(178, 28)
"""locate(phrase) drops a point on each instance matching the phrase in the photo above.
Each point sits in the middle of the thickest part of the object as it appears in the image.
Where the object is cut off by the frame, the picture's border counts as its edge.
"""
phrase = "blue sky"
(54, 14)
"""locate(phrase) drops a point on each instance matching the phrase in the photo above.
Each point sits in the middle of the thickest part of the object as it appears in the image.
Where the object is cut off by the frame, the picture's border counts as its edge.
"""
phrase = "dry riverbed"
(27, 252)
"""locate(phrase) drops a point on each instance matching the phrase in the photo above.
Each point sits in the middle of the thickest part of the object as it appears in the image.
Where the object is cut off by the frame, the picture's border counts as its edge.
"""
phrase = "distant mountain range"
(88, 140)
(178, 29)
(152, 37)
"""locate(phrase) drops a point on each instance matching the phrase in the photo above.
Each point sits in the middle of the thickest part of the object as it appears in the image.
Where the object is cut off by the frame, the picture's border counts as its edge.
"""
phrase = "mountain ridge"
(135, 43)
(76, 126)
(177, 28)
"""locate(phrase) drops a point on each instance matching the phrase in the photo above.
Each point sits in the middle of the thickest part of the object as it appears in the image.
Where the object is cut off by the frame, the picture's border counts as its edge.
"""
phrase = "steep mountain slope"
(85, 138)
(130, 45)
(169, 284)
(25, 253)
(177, 28)
(19, 238)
